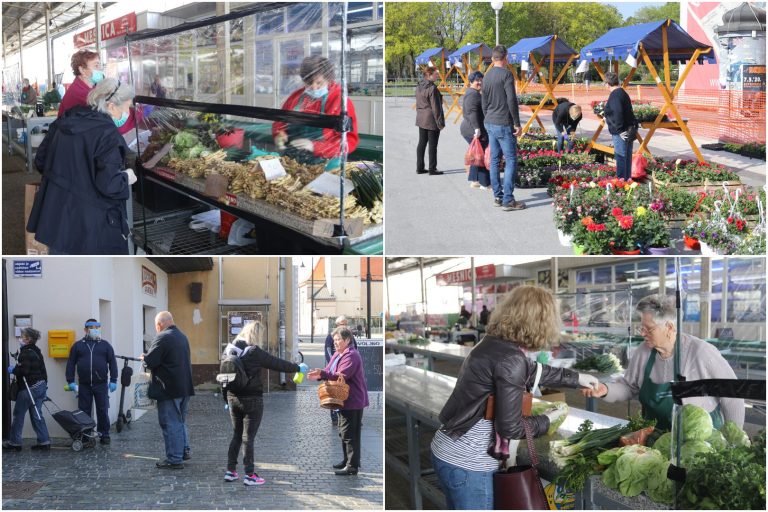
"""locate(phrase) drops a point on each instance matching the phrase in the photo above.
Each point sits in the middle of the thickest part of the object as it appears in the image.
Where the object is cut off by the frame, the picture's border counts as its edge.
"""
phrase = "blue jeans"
(172, 415)
(502, 141)
(24, 404)
(464, 490)
(559, 130)
(86, 395)
(622, 152)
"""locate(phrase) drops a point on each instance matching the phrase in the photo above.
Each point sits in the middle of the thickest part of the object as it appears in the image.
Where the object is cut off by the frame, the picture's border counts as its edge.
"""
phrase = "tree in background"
(408, 27)
(649, 13)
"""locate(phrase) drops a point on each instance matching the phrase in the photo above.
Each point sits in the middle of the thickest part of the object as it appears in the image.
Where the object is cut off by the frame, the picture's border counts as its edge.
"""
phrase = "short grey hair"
(659, 307)
(164, 318)
(109, 91)
(340, 318)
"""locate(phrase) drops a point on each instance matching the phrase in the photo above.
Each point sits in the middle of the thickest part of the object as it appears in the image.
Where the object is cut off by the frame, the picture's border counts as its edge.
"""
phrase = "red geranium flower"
(616, 212)
(626, 221)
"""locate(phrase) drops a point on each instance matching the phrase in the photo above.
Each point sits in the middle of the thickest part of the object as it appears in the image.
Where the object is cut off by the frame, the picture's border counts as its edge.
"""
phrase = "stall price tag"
(328, 184)
(272, 168)
(156, 158)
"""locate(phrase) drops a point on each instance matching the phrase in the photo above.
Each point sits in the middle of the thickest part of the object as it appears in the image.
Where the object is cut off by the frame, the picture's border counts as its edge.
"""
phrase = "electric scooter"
(124, 418)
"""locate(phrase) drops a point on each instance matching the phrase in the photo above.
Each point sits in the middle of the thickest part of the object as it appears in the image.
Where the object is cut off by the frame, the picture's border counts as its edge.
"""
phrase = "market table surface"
(420, 396)
(433, 350)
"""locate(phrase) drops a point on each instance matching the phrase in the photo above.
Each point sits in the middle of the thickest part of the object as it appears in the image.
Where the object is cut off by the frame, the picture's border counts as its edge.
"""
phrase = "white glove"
(131, 176)
(477, 132)
(624, 135)
(303, 144)
(588, 381)
(280, 139)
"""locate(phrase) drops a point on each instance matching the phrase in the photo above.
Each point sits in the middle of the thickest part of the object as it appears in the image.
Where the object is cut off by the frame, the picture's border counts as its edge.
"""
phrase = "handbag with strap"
(519, 487)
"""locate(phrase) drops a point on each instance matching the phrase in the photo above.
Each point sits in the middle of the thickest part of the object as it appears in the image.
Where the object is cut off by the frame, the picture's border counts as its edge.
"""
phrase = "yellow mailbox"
(59, 343)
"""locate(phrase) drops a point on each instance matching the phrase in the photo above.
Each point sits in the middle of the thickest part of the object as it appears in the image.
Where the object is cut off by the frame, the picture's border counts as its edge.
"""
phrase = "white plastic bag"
(141, 398)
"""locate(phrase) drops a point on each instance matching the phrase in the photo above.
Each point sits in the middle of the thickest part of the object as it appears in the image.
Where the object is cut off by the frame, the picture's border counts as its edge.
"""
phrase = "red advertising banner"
(465, 275)
(109, 30)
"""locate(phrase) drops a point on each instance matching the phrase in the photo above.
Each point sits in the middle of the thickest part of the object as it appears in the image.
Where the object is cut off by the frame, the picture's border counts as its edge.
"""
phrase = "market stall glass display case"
(245, 114)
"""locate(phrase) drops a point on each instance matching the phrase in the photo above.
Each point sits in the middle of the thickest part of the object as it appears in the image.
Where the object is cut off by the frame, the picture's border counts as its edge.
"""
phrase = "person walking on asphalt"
(347, 362)
(246, 406)
(622, 125)
(429, 119)
(473, 126)
(502, 122)
(566, 117)
(94, 359)
(330, 349)
(171, 385)
(33, 386)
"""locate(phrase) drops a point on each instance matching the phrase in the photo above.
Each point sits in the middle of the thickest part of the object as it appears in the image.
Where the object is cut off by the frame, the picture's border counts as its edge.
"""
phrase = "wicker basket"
(332, 393)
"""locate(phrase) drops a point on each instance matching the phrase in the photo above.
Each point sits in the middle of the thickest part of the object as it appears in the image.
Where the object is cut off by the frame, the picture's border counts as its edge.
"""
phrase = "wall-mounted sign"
(28, 268)
(465, 275)
(109, 30)
(148, 281)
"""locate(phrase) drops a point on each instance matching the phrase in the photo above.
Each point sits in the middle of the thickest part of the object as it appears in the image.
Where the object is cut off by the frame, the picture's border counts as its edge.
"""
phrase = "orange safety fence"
(727, 116)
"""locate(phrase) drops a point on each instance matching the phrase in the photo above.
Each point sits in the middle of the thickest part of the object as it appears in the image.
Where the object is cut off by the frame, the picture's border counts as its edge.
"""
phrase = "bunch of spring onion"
(564, 450)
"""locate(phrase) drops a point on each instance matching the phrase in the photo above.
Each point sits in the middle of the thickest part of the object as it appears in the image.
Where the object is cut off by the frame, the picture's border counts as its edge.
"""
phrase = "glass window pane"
(316, 44)
(264, 79)
(237, 74)
(625, 272)
(270, 23)
(716, 304)
(357, 12)
(746, 290)
(304, 16)
(291, 55)
(584, 277)
(603, 275)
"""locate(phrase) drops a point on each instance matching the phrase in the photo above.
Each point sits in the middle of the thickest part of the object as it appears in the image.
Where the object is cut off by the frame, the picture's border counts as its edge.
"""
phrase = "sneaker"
(169, 465)
(514, 205)
(253, 479)
(7, 445)
(231, 476)
(475, 184)
(496, 201)
(41, 447)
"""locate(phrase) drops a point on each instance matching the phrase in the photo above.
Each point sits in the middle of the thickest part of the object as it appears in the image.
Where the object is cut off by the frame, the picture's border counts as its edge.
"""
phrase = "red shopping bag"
(639, 163)
(487, 159)
(475, 154)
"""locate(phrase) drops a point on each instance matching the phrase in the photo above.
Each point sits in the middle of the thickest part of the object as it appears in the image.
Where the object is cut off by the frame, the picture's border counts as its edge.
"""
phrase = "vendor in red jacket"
(320, 95)
(86, 65)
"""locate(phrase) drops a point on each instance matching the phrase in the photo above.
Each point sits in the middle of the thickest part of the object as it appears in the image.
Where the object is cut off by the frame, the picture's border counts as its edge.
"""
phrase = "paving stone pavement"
(295, 448)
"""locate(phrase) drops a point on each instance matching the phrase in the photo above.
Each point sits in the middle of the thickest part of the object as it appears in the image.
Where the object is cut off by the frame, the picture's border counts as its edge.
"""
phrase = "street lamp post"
(496, 6)
(312, 300)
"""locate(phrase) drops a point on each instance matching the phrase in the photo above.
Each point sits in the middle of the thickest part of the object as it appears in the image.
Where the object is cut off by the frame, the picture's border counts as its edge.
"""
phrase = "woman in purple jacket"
(347, 362)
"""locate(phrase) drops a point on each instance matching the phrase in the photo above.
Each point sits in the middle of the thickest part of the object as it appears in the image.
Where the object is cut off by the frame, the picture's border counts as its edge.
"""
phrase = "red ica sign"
(465, 275)
(109, 30)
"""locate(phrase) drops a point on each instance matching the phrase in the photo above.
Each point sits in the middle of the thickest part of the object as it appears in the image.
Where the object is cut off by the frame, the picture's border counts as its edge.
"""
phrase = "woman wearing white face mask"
(320, 95)
(81, 205)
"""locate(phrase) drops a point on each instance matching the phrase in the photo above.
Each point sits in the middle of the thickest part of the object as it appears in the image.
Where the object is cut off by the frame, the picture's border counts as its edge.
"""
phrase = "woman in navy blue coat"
(81, 205)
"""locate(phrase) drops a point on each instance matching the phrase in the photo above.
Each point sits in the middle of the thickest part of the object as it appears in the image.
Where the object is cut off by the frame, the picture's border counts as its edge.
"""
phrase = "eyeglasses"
(646, 331)
(113, 92)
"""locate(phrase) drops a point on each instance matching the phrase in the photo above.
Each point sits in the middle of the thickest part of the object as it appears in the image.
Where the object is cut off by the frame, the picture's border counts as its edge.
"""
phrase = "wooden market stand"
(548, 48)
(461, 63)
(659, 41)
(425, 60)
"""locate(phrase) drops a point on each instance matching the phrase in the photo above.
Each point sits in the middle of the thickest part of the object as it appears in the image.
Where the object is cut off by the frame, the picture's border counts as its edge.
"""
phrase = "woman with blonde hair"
(527, 319)
(246, 406)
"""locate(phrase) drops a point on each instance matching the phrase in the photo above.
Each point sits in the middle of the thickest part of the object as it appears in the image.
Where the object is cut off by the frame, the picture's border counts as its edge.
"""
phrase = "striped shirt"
(470, 451)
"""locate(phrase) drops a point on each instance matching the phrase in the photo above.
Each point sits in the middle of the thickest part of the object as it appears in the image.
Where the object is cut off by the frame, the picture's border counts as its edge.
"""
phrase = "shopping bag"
(639, 163)
(487, 160)
(141, 398)
(475, 154)
(519, 487)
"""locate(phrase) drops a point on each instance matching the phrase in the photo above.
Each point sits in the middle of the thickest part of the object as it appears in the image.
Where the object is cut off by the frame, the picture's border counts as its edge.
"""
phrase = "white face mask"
(94, 334)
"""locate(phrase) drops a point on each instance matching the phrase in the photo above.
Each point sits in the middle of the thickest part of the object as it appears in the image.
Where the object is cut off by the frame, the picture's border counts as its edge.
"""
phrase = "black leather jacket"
(499, 367)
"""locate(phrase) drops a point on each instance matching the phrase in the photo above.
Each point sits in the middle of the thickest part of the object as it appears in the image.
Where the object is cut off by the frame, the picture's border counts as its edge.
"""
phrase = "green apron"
(296, 131)
(656, 400)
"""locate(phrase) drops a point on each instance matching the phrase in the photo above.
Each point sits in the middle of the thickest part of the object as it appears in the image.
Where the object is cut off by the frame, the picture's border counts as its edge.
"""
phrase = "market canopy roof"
(541, 45)
(456, 56)
(425, 57)
(620, 43)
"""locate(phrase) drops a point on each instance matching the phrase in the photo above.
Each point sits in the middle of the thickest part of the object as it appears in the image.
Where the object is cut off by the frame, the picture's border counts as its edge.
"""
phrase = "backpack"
(233, 376)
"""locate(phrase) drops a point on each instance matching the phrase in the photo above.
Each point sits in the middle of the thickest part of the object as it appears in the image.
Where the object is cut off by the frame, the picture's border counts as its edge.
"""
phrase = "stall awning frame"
(424, 59)
(659, 42)
(460, 62)
(548, 48)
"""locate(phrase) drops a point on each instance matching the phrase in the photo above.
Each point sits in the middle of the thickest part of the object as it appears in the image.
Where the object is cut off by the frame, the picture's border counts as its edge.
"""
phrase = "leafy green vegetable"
(611, 477)
(664, 444)
(635, 469)
(603, 363)
(608, 457)
(717, 440)
(697, 423)
(733, 435)
(637, 422)
(660, 488)
(185, 139)
(690, 449)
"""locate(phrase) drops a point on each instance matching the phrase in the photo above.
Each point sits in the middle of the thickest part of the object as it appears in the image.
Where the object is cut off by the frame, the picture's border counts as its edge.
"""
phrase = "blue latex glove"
(303, 368)
(112, 387)
(11, 368)
(72, 387)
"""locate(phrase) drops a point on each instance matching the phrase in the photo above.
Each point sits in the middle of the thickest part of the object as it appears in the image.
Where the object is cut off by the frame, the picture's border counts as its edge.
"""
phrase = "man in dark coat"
(429, 119)
(566, 118)
(80, 207)
(94, 359)
(169, 360)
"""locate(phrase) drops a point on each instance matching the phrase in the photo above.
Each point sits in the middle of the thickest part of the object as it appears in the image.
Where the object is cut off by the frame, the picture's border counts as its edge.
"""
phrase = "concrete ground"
(295, 448)
(443, 215)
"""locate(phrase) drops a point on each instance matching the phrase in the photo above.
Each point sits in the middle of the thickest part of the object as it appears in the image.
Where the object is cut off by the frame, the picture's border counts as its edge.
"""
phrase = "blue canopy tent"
(426, 59)
(461, 59)
(536, 50)
(659, 42)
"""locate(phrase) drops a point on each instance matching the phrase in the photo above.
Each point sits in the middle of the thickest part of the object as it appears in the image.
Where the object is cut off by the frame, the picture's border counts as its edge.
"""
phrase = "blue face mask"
(120, 122)
(94, 334)
(96, 76)
(316, 93)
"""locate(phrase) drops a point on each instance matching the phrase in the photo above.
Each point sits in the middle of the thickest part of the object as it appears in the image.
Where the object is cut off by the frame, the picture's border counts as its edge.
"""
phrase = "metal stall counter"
(420, 395)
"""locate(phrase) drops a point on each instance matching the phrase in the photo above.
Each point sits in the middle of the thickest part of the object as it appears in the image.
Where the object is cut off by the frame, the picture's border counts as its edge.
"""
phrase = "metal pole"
(677, 418)
(48, 50)
(345, 128)
(312, 299)
(423, 290)
(474, 285)
(368, 305)
(497, 27)
(281, 320)
(97, 16)
(21, 53)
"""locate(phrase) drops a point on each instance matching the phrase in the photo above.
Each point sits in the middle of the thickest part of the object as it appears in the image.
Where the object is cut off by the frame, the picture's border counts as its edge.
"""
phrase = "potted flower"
(653, 231)
(623, 232)
(590, 237)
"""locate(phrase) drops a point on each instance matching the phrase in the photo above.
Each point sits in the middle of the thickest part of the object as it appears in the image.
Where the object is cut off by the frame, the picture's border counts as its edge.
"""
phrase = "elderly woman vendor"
(650, 373)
